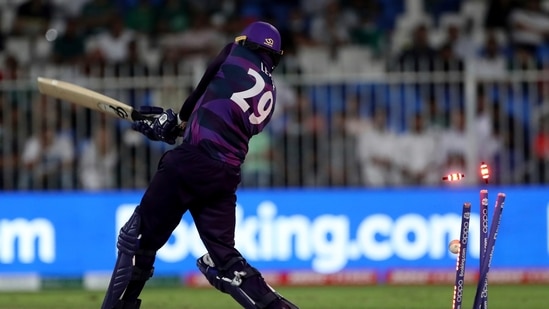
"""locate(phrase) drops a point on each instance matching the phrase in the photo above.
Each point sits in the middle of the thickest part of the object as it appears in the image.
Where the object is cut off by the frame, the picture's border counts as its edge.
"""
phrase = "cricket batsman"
(233, 101)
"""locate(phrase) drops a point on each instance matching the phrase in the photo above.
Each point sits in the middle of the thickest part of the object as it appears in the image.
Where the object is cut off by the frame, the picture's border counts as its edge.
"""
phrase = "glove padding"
(162, 125)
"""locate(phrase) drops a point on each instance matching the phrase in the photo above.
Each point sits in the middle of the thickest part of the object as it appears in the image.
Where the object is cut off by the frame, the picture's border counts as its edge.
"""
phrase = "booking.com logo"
(328, 241)
(27, 241)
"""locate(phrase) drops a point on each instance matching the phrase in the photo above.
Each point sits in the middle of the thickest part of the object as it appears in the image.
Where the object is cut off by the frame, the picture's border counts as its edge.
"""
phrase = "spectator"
(437, 119)
(174, 21)
(2, 38)
(491, 63)
(299, 28)
(497, 14)
(111, 46)
(453, 146)
(451, 90)
(257, 170)
(140, 17)
(5, 159)
(529, 26)
(133, 151)
(173, 17)
(328, 27)
(488, 145)
(447, 61)
(98, 159)
(376, 151)
(313, 7)
(500, 124)
(70, 47)
(420, 54)
(510, 158)
(436, 8)
(200, 40)
(523, 59)
(47, 160)
(32, 17)
(364, 29)
(97, 15)
(290, 64)
(13, 71)
(71, 9)
(300, 145)
(209, 5)
(541, 150)
(169, 93)
(417, 154)
(343, 167)
(9, 144)
(286, 101)
(356, 120)
(169, 63)
(133, 66)
(460, 41)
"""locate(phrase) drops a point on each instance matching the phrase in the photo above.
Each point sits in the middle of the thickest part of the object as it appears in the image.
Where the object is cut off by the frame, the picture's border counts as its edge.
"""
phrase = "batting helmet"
(262, 35)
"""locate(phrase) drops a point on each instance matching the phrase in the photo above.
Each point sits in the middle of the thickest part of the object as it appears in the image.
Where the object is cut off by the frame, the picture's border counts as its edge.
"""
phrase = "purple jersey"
(236, 104)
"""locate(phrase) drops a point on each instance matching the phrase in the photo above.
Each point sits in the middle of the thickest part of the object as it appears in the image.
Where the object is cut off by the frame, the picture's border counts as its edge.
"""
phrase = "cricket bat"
(87, 98)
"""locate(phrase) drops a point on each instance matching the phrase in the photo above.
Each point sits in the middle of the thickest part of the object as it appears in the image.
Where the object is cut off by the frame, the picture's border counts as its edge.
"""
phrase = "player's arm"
(166, 125)
(213, 67)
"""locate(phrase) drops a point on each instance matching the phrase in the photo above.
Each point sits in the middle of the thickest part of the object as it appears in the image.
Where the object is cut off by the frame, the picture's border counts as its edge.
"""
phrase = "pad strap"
(139, 274)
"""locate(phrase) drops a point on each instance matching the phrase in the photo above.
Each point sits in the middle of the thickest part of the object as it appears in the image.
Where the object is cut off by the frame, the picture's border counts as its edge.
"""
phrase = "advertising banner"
(320, 231)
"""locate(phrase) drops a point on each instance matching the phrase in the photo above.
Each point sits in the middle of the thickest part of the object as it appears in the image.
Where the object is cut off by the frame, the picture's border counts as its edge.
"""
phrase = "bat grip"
(136, 116)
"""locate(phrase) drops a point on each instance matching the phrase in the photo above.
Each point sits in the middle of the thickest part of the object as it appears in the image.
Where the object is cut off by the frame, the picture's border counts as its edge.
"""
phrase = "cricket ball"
(454, 246)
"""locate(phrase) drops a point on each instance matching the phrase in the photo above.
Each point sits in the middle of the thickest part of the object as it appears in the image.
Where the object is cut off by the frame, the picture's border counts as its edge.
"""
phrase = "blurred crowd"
(373, 134)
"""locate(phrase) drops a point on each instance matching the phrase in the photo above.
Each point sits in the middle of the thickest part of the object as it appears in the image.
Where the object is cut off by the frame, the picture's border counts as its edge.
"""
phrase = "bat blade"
(87, 98)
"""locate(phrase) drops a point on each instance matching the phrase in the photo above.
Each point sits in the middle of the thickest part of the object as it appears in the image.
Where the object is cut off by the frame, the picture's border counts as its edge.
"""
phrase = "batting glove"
(162, 125)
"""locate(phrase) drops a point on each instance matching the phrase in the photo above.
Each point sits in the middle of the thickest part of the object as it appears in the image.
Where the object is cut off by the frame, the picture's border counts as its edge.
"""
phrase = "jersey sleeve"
(213, 67)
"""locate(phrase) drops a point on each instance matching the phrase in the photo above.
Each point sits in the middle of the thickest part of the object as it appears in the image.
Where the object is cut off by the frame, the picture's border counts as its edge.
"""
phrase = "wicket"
(481, 296)
(483, 232)
(487, 245)
(462, 256)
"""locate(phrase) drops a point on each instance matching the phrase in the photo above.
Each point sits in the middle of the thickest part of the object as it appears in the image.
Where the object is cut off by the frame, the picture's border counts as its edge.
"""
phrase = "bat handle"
(136, 116)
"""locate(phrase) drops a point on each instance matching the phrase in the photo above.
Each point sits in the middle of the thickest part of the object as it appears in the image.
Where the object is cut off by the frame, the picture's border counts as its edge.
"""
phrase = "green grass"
(364, 297)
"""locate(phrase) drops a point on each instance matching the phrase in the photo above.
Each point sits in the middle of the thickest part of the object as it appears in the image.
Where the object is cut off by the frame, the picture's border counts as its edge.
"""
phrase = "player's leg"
(224, 267)
(254, 294)
(147, 230)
